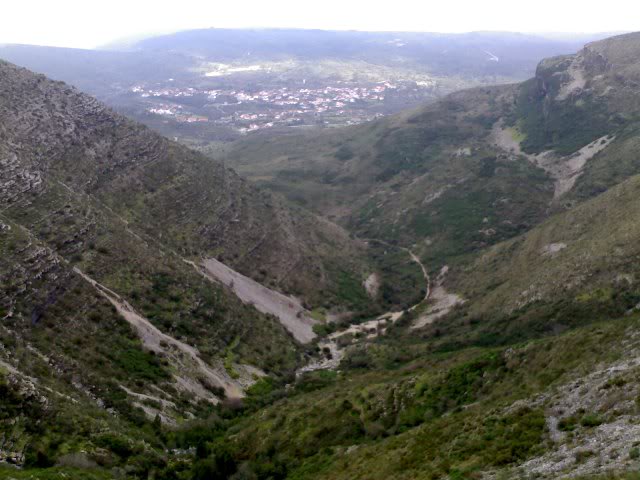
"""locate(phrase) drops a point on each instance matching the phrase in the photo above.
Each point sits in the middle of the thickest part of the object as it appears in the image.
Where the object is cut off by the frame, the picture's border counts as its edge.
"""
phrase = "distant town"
(251, 109)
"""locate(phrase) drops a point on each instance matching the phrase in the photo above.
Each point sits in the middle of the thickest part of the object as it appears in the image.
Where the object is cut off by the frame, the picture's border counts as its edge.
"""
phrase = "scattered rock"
(553, 248)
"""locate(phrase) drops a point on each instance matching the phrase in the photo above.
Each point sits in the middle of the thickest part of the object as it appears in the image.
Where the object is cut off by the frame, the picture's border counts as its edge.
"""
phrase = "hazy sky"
(89, 23)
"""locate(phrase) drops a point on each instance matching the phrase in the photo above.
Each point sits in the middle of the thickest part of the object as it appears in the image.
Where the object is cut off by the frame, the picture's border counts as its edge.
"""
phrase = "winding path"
(330, 343)
(415, 258)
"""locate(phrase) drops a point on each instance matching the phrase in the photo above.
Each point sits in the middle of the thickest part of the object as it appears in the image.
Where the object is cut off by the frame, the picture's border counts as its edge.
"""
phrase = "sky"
(91, 23)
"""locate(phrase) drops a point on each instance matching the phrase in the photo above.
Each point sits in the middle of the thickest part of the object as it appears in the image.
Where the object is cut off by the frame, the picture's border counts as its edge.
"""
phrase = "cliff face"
(605, 71)
(576, 99)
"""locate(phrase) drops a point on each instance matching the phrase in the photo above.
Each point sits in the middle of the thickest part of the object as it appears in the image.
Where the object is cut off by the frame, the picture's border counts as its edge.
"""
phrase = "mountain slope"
(531, 371)
(578, 264)
(434, 177)
(109, 317)
(197, 207)
(473, 169)
(535, 374)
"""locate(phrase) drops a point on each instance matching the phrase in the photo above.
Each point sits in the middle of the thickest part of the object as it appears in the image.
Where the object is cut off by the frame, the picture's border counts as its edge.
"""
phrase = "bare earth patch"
(553, 248)
(329, 358)
(565, 170)
(372, 285)
(442, 302)
(288, 310)
(577, 80)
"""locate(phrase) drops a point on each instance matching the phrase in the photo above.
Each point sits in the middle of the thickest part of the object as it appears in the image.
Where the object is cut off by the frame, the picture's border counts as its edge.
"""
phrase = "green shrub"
(591, 420)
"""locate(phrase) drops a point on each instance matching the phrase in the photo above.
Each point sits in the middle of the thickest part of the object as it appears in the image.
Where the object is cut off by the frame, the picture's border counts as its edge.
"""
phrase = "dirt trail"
(144, 396)
(425, 274)
(293, 316)
(371, 327)
(444, 301)
(191, 370)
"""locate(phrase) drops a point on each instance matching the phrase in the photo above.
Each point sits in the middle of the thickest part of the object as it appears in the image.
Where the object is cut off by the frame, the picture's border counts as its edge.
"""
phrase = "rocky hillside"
(159, 188)
(109, 313)
(577, 98)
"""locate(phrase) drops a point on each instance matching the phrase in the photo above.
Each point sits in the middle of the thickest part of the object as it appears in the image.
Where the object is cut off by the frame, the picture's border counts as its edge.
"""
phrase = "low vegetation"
(535, 375)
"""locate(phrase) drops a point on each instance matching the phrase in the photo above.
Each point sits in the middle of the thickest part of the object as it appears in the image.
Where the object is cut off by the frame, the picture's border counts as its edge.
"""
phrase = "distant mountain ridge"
(230, 79)
(476, 53)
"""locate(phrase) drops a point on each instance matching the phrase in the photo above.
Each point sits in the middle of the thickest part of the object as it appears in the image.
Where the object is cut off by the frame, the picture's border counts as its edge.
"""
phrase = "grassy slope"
(436, 416)
(594, 269)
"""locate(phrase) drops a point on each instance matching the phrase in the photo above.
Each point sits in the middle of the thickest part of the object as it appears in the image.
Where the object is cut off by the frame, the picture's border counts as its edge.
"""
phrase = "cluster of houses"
(249, 109)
